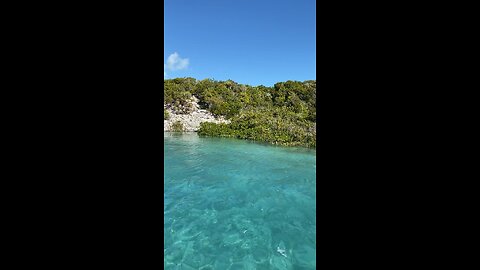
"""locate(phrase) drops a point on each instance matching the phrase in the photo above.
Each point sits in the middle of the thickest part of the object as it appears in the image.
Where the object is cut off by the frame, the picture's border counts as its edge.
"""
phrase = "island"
(284, 114)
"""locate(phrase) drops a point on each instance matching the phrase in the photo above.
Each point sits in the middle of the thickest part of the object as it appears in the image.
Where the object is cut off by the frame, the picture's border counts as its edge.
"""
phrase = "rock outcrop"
(191, 120)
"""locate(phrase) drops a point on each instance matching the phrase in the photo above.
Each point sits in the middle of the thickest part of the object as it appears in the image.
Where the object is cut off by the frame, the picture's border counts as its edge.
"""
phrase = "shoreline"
(264, 143)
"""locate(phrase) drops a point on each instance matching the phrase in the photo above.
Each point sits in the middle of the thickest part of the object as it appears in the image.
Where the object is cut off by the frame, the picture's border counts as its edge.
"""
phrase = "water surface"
(233, 204)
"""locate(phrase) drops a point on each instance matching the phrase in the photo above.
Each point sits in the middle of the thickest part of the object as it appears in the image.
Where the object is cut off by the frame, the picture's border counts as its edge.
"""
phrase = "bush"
(177, 127)
(277, 126)
(215, 130)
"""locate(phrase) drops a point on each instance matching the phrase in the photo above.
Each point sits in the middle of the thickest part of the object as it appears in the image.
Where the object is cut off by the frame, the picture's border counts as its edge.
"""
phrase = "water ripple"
(231, 204)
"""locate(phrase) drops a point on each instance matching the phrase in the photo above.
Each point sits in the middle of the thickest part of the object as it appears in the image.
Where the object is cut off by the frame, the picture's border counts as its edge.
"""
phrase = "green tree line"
(284, 114)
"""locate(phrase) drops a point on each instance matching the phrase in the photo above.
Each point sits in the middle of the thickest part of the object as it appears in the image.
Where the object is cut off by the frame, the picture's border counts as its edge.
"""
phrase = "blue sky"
(256, 42)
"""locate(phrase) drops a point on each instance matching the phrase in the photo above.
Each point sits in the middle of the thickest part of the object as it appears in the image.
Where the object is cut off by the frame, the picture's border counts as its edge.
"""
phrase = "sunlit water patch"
(232, 204)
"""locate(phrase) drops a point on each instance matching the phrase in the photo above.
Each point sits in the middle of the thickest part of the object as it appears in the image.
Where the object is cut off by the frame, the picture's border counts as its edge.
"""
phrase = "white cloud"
(175, 62)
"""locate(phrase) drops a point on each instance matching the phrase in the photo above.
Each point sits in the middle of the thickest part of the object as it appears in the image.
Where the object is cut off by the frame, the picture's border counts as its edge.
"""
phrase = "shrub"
(177, 127)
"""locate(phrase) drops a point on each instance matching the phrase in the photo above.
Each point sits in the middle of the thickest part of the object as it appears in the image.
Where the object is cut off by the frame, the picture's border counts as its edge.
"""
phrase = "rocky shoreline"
(191, 121)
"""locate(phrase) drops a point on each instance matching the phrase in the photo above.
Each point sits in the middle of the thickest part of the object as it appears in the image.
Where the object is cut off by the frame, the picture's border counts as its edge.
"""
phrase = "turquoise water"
(233, 204)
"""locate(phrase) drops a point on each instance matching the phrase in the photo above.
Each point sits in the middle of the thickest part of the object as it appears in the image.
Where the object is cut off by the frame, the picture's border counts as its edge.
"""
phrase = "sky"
(255, 42)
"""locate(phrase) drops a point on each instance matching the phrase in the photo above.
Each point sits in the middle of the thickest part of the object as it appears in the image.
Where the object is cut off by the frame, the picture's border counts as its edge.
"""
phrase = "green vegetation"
(284, 114)
(177, 127)
(166, 115)
(177, 92)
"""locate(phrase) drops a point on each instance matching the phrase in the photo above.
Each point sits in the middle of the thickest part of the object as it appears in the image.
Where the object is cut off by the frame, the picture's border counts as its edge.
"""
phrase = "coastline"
(282, 115)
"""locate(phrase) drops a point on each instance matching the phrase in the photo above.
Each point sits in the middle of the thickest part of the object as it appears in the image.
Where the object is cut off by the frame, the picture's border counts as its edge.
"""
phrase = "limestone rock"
(191, 121)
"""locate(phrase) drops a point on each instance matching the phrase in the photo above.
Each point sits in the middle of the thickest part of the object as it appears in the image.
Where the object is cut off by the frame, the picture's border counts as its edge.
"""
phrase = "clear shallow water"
(232, 204)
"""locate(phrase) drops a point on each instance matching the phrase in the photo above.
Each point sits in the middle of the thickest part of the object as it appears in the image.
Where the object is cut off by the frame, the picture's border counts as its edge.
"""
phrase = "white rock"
(191, 121)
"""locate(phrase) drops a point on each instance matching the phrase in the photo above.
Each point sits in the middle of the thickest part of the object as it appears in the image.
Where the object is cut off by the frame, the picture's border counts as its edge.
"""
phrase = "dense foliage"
(284, 114)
